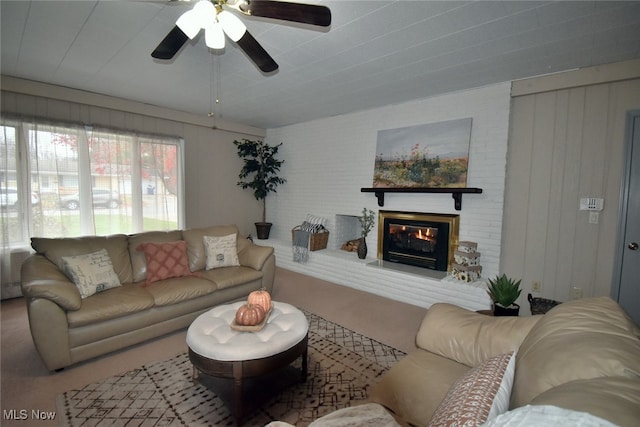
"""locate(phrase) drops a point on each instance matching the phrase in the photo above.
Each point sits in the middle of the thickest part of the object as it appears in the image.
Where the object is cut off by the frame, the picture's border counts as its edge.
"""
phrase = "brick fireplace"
(329, 160)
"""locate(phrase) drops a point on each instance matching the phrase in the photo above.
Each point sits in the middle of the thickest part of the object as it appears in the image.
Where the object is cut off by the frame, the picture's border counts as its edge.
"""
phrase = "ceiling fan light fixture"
(192, 21)
(232, 25)
(188, 24)
(214, 36)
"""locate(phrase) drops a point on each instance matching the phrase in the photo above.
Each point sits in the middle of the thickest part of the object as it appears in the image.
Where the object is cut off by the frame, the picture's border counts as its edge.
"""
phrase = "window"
(65, 180)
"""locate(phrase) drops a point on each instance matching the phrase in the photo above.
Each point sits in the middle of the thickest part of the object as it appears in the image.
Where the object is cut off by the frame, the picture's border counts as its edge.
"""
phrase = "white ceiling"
(375, 53)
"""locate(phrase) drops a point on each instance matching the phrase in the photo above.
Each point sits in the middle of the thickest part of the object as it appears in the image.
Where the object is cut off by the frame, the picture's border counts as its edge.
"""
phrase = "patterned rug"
(343, 365)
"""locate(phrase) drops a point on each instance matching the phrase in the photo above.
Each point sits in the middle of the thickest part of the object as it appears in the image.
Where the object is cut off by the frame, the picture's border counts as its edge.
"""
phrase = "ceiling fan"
(212, 16)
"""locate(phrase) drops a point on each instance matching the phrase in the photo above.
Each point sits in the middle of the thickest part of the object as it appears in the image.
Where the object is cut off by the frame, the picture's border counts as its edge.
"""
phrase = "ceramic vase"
(362, 248)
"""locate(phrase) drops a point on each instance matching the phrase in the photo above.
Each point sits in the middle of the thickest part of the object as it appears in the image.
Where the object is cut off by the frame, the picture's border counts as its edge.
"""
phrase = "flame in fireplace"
(426, 236)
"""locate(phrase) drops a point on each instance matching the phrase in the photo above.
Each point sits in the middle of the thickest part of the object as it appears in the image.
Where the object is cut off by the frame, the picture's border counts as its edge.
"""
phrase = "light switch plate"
(591, 204)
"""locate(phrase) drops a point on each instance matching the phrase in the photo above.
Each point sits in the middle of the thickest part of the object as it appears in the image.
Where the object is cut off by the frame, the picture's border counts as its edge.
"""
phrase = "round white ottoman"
(217, 350)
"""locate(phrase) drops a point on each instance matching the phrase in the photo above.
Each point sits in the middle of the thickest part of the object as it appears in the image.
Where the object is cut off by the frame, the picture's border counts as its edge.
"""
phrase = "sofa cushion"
(616, 399)
(469, 337)
(368, 414)
(91, 273)
(112, 303)
(165, 260)
(547, 416)
(480, 395)
(414, 387)
(195, 243)
(138, 260)
(172, 291)
(227, 277)
(581, 339)
(116, 245)
(221, 251)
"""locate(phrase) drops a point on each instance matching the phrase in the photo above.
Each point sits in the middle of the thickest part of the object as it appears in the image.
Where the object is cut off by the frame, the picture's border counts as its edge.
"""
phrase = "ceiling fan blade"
(256, 52)
(171, 44)
(295, 12)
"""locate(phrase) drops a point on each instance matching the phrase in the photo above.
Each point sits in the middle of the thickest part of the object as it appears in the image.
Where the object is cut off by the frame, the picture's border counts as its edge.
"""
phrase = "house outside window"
(61, 180)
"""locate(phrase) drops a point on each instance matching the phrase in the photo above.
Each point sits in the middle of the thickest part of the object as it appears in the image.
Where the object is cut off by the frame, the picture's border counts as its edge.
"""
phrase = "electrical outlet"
(576, 293)
(536, 287)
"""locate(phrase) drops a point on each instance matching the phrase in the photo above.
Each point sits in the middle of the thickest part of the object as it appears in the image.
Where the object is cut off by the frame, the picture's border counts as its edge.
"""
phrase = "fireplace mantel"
(456, 193)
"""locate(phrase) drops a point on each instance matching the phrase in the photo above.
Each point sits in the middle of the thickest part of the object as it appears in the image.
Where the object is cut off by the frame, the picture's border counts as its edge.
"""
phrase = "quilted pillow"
(91, 273)
(479, 395)
(165, 260)
(221, 251)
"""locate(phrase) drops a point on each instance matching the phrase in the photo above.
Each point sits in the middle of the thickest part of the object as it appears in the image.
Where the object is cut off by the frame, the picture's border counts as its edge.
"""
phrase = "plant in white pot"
(504, 292)
(260, 173)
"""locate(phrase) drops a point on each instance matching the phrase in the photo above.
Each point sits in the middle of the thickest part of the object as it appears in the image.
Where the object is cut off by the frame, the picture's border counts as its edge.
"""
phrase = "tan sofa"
(582, 355)
(67, 329)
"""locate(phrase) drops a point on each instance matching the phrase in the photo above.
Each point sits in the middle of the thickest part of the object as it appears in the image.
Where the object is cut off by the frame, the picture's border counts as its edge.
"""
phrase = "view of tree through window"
(71, 180)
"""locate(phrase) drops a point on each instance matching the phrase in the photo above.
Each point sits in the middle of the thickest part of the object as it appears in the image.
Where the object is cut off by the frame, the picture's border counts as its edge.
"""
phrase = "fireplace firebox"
(420, 239)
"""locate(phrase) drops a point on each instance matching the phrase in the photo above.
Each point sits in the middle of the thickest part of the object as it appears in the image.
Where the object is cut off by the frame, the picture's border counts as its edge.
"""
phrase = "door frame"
(624, 202)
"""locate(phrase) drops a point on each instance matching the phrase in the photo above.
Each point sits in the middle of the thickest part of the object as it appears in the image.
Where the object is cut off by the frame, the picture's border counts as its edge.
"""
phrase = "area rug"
(342, 367)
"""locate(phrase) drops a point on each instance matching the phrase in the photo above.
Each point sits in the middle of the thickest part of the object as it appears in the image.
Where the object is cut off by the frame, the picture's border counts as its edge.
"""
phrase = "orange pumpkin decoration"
(261, 298)
(250, 315)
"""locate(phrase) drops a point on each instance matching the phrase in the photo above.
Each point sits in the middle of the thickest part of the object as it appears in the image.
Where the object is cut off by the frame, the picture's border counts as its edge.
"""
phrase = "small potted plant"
(260, 173)
(504, 292)
(366, 223)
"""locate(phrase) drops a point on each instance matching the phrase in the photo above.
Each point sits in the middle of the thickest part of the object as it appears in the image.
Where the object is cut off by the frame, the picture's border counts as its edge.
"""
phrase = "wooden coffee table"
(217, 350)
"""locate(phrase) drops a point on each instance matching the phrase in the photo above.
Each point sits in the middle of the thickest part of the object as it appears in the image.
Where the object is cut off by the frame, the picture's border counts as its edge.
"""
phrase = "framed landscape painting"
(429, 155)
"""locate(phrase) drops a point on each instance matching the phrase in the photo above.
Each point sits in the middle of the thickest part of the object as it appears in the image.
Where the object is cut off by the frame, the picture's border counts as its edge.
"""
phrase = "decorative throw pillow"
(221, 251)
(311, 228)
(91, 273)
(479, 395)
(314, 219)
(165, 260)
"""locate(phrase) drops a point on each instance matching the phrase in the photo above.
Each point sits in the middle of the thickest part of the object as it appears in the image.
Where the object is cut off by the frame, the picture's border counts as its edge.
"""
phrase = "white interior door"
(627, 281)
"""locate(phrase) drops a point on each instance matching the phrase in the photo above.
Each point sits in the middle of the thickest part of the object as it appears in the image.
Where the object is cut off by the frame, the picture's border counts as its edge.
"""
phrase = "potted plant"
(366, 222)
(260, 173)
(504, 292)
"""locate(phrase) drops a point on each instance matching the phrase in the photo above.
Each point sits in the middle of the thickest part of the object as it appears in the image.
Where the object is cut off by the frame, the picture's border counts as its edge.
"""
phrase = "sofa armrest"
(469, 337)
(41, 278)
(50, 332)
(254, 256)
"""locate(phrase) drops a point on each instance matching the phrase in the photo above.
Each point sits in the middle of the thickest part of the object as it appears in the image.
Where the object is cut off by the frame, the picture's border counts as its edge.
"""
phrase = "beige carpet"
(343, 365)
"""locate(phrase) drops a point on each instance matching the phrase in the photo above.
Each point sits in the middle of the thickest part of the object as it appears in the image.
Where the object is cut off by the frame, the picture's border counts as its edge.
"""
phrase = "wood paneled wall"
(566, 142)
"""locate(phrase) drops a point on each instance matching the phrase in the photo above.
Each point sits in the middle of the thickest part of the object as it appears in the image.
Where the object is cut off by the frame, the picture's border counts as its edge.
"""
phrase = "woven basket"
(317, 241)
(541, 305)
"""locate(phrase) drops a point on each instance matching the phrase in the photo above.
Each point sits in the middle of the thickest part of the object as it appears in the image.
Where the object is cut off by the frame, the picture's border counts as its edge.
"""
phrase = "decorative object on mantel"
(366, 221)
(260, 162)
(466, 262)
(504, 292)
(427, 155)
(428, 158)
(311, 235)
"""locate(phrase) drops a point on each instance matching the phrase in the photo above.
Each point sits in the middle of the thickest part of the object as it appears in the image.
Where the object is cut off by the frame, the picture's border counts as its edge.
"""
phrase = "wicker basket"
(541, 305)
(317, 241)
